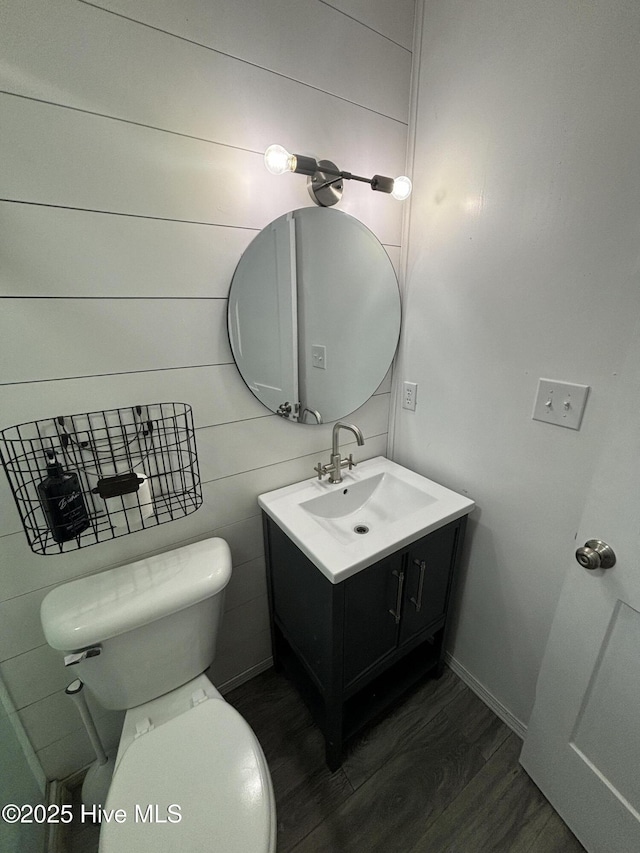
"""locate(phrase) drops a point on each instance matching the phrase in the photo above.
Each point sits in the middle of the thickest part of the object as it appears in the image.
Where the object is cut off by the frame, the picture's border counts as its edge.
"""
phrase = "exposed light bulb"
(278, 160)
(401, 188)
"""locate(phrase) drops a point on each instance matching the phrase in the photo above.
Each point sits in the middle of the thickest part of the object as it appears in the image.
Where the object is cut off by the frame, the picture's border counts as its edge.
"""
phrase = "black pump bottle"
(62, 502)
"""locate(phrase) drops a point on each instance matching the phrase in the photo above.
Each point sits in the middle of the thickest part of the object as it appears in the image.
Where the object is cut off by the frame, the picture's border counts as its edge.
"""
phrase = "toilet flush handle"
(77, 657)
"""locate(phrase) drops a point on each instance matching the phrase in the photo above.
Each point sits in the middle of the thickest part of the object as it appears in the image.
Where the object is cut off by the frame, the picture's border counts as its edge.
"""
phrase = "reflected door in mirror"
(314, 315)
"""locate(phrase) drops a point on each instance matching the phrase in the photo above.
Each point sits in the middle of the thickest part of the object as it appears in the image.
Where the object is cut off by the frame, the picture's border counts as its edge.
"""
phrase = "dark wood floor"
(439, 774)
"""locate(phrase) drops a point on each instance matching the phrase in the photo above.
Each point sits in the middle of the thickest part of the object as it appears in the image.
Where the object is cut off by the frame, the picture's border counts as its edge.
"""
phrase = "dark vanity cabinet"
(353, 648)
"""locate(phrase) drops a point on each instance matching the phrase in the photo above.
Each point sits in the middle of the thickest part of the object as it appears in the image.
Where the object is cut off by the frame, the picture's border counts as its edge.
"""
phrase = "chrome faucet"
(334, 468)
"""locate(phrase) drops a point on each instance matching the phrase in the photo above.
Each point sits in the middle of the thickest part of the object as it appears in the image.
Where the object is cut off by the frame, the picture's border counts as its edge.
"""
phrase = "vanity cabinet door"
(370, 629)
(428, 573)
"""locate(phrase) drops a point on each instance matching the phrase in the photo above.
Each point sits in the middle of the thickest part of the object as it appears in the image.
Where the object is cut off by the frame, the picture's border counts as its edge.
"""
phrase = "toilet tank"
(153, 623)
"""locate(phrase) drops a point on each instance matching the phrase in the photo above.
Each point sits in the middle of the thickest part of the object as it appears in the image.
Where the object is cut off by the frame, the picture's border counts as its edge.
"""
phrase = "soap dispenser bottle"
(61, 498)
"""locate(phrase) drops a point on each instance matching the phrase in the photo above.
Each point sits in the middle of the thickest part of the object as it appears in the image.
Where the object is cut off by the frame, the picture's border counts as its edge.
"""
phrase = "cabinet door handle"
(418, 601)
(396, 613)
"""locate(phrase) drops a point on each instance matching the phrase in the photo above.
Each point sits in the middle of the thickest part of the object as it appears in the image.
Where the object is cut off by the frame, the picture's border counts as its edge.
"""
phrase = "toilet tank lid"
(101, 606)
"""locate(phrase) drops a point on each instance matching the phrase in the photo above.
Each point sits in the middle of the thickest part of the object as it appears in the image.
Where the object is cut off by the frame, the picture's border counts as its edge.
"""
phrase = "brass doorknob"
(596, 554)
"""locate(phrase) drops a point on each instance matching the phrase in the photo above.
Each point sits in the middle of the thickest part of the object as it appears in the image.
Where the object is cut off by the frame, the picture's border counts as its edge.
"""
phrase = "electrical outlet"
(409, 394)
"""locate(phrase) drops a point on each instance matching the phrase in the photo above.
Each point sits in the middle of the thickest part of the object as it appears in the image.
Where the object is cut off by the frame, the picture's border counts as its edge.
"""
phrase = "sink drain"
(361, 528)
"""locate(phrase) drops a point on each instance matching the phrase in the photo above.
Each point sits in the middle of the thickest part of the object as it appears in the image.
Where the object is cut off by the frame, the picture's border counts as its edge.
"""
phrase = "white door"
(583, 741)
(263, 318)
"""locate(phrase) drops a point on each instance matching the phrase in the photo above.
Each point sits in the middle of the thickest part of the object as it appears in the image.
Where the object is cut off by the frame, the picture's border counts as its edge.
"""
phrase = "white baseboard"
(516, 725)
(247, 675)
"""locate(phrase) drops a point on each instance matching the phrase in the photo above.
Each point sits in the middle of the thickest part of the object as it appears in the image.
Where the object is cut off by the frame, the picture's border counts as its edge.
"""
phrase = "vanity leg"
(438, 642)
(333, 736)
(333, 756)
(275, 648)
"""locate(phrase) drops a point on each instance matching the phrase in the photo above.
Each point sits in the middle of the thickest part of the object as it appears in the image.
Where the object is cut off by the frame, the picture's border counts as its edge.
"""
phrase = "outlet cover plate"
(409, 395)
(560, 403)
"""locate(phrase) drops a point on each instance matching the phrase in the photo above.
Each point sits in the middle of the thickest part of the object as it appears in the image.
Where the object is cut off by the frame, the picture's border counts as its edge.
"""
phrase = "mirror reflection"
(314, 315)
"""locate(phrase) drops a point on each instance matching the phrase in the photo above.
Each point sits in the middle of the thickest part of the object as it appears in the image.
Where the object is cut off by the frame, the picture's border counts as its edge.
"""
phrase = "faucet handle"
(320, 470)
(352, 464)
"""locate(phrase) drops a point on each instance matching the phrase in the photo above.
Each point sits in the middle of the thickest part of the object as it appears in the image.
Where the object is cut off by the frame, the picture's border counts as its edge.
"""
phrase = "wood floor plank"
(260, 693)
(279, 718)
(301, 808)
(393, 808)
(380, 742)
(500, 810)
(476, 722)
(301, 755)
(555, 837)
(305, 790)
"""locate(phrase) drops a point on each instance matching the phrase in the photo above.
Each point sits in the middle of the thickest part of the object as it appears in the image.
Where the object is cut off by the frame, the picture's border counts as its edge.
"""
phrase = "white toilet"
(189, 774)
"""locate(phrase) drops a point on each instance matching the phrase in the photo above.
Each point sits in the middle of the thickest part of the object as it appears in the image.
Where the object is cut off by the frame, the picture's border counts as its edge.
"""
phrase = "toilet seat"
(206, 761)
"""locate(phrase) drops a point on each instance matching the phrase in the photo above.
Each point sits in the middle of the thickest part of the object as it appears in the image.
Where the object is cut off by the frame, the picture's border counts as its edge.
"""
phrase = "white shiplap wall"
(131, 180)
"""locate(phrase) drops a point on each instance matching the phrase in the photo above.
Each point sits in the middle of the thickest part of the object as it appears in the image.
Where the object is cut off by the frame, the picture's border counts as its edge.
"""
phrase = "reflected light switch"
(560, 403)
(319, 356)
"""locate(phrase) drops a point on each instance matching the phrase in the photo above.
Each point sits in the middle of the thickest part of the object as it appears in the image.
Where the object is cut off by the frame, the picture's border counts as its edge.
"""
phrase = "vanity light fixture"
(325, 179)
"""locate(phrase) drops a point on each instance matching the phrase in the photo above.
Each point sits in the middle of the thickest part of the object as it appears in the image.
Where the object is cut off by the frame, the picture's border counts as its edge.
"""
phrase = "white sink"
(378, 508)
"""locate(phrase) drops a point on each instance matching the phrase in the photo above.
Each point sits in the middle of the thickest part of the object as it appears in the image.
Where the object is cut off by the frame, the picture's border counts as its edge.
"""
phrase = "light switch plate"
(560, 403)
(319, 356)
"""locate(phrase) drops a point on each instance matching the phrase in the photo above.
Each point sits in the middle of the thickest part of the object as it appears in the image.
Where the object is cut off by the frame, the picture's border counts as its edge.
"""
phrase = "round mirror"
(314, 315)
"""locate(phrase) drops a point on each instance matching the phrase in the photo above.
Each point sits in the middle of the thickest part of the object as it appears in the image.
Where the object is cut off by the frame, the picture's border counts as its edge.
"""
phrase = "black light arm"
(308, 166)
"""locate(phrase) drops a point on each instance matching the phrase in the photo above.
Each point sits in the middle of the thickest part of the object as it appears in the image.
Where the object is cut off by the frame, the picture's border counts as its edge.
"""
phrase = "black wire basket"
(82, 479)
